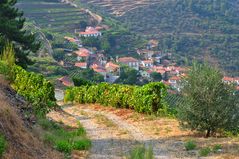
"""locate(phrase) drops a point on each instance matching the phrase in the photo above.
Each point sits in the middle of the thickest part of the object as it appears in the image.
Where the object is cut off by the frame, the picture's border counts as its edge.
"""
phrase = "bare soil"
(114, 132)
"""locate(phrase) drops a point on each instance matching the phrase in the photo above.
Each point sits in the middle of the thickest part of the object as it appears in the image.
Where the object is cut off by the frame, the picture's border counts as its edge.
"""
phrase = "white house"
(90, 32)
(147, 63)
(129, 61)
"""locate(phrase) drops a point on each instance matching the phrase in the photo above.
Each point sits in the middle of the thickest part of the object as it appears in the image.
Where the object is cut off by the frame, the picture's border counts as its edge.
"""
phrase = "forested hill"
(188, 28)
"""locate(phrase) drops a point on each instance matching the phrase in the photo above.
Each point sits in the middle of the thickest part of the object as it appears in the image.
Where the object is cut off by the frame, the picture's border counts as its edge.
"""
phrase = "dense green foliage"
(85, 75)
(35, 88)
(80, 82)
(190, 145)
(156, 76)
(62, 139)
(3, 145)
(11, 29)
(147, 99)
(209, 104)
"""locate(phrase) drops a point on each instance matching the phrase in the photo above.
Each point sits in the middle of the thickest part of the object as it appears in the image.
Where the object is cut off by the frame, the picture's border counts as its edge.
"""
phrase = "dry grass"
(21, 142)
(101, 119)
(173, 137)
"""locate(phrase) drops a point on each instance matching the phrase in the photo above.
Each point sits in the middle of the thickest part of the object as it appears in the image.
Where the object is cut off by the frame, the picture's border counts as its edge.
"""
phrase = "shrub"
(48, 125)
(64, 140)
(63, 146)
(190, 145)
(82, 144)
(205, 152)
(3, 145)
(217, 147)
(80, 132)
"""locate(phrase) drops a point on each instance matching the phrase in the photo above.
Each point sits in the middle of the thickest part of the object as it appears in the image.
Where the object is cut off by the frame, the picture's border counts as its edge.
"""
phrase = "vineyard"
(33, 87)
(54, 15)
(146, 99)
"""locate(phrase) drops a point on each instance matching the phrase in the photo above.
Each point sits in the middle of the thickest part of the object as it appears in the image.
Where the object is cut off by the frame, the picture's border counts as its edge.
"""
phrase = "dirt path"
(112, 137)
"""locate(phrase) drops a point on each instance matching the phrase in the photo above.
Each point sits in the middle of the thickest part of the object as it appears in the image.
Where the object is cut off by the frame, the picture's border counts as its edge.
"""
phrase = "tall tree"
(11, 29)
(209, 103)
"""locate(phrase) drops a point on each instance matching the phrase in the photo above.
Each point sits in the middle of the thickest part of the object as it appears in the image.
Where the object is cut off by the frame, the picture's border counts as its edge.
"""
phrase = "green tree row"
(146, 99)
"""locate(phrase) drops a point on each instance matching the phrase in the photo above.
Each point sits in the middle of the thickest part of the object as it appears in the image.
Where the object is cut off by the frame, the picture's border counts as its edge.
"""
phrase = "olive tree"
(209, 104)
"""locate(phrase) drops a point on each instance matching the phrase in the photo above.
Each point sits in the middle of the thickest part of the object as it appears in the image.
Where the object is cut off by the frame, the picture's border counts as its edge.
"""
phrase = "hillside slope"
(21, 142)
(184, 27)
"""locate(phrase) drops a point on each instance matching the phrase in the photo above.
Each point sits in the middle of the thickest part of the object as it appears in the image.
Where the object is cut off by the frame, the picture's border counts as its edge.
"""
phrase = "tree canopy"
(12, 30)
(209, 104)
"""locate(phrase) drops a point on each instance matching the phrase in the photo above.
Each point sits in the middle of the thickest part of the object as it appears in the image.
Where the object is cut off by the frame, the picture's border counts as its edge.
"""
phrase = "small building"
(66, 81)
(112, 68)
(147, 63)
(82, 54)
(90, 32)
(99, 69)
(129, 61)
(146, 54)
(174, 80)
(228, 80)
(81, 65)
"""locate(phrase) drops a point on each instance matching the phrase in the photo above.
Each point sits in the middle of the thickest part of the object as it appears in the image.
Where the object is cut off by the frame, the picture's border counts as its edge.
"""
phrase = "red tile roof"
(66, 81)
(111, 65)
(89, 30)
(70, 39)
(229, 79)
(81, 64)
(82, 52)
(161, 71)
(127, 59)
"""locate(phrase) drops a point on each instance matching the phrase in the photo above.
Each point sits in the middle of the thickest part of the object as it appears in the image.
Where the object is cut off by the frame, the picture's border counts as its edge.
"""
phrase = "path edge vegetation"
(40, 94)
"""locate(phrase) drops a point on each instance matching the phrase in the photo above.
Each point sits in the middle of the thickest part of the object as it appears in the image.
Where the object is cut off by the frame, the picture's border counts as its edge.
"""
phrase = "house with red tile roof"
(111, 67)
(129, 61)
(175, 82)
(81, 65)
(90, 32)
(66, 81)
(228, 80)
(147, 63)
(99, 69)
(82, 54)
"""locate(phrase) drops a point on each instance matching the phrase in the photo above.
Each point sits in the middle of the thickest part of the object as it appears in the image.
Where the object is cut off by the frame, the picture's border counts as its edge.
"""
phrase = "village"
(152, 64)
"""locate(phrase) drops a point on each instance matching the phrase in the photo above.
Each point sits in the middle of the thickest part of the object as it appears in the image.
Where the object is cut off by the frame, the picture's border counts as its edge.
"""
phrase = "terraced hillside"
(120, 7)
(54, 15)
(187, 28)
